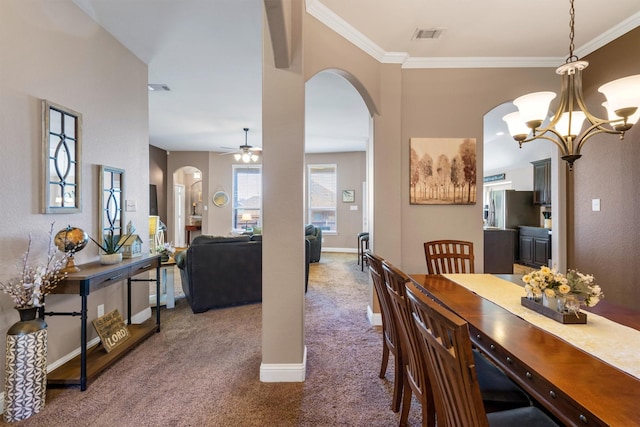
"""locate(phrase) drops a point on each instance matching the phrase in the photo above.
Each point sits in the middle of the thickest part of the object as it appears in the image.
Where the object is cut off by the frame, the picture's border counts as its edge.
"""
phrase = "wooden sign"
(111, 330)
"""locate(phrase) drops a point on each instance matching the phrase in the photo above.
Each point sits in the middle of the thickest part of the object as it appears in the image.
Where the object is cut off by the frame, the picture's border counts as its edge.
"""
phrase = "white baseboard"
(345, 250)
(374, 318)
(284, 372)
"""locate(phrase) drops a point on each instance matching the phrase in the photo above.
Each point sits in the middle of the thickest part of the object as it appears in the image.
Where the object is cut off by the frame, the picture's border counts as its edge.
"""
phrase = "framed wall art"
(112, 201)
(443, 171)
(348, 196)
(62, 158)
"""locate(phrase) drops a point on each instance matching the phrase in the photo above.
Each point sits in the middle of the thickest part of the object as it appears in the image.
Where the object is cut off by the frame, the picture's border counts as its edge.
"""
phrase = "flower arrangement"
(167, 250)
(34, 281)
(552, 284)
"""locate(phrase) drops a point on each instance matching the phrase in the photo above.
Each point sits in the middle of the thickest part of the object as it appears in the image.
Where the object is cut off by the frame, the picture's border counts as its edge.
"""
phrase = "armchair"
(314, 235)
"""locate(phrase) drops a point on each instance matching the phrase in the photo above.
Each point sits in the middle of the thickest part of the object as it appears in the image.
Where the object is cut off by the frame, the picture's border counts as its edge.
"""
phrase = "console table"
(92, 277)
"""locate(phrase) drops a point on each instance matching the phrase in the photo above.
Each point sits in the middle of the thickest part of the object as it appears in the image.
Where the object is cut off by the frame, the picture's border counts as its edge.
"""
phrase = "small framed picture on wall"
(348, 196)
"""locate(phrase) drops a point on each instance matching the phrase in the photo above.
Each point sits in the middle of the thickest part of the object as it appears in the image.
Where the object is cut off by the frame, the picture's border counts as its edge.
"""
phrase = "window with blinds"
(322, 191)
(247, 197)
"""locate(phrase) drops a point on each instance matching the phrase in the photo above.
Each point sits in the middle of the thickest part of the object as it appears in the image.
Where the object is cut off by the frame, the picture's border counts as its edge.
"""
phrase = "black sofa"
(314, 235)
(221, 272)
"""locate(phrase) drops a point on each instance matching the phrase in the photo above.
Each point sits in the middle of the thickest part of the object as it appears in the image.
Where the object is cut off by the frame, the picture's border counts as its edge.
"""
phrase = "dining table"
(578, 386)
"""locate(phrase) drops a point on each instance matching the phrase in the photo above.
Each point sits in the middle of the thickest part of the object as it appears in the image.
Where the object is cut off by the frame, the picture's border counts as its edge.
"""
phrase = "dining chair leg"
(407, 394)
(385, 358)
(398, 384)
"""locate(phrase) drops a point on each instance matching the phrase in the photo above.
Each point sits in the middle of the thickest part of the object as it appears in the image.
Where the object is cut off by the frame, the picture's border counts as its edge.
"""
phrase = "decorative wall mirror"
(220, 198)
(62, 143)
(111, 201)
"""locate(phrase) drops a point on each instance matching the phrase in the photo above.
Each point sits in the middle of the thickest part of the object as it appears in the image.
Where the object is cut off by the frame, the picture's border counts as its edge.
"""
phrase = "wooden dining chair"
(443, 337)
(390, 330)
(449, 256)
(416, 381)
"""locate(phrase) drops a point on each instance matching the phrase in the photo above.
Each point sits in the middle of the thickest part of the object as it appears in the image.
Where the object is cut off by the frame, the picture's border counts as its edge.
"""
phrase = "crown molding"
(608, 36)
(322, 13)
(325, 15)
(482, 62)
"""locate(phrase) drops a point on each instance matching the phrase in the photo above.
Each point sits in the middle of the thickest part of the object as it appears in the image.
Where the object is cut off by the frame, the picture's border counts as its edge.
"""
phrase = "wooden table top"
(608, 394)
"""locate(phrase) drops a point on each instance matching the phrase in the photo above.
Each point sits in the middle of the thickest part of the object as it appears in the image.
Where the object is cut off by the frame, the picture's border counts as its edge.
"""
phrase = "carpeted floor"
(203, 370)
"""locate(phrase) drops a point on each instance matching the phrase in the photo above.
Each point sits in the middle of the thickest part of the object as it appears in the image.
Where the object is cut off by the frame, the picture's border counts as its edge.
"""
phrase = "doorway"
(178, 215)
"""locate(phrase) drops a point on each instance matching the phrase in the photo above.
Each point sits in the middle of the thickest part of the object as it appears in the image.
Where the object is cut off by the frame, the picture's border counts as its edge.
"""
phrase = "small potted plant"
(166, 252)
(111, 248)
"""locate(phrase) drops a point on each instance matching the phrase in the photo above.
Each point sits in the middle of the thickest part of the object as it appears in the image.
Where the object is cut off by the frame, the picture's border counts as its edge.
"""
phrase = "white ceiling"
(209, 53)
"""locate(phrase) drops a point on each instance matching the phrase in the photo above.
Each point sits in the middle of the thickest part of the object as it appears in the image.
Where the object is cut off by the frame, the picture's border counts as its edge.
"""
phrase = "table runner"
(611, 342)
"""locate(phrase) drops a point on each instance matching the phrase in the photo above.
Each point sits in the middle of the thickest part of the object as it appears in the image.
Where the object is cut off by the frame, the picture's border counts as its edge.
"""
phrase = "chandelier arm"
(559, 142)
(593, 130)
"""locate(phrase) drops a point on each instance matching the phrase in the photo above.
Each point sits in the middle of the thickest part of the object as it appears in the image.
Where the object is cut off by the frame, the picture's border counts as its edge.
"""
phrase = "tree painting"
(443, 171)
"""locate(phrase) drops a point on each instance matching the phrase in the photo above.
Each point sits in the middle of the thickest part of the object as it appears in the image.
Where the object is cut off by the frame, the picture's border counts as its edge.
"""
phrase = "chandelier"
(247, 153)
(563, 129)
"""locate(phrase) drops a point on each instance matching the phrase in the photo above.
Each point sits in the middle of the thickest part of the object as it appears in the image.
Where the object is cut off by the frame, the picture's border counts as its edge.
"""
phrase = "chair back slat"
(449, 256)
(444, 338)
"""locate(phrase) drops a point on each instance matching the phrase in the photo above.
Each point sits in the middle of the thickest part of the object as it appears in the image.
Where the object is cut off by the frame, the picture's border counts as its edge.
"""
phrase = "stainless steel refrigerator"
(511, 208)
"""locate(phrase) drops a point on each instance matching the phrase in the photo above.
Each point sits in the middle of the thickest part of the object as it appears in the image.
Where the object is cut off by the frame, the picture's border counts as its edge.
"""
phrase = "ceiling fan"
(246, 152)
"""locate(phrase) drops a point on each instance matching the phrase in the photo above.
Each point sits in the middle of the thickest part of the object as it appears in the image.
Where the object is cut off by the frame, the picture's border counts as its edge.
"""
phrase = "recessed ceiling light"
(500, 133)
(158, 87)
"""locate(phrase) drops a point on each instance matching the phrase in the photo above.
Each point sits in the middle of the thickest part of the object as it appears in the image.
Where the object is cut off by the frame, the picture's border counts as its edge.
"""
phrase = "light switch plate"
(130, 205)
(595, 205)
(353, 207)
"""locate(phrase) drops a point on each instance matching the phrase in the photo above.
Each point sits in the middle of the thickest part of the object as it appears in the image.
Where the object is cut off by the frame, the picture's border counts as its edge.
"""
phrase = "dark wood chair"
(449, 256)
(499, 393)
(416, 381)
(444, 338)
(390, 330)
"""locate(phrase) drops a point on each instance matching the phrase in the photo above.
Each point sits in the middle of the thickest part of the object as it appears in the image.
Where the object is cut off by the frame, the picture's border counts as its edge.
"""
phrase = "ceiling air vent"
(158, 87)
(427, 34)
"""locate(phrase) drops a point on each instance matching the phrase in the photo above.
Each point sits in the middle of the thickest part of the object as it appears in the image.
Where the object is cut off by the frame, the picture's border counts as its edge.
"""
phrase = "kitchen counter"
(536, 229)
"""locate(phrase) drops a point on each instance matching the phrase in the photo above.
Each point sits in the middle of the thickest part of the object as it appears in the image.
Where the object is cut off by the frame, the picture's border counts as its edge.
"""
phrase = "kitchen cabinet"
(542, 182)
(534, 246)
(499, 255)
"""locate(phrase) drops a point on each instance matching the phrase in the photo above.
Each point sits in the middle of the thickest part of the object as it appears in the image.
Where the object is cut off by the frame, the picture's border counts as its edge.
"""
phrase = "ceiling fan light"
(517, 128)
(534, 107)
(622, 95)
(237, 156)
(576, 118)
(254, 157)
(246, 158)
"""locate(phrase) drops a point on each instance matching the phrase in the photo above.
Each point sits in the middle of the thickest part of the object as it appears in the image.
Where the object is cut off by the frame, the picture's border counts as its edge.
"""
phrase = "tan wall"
(351, 170)
(158, 177)
(351, 175)
(52, 50)
(451, 103)
(605, 243)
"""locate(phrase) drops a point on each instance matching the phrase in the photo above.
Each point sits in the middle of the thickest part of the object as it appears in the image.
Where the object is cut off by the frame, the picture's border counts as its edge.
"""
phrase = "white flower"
(564, 289)
(34, 282)
(592, 301)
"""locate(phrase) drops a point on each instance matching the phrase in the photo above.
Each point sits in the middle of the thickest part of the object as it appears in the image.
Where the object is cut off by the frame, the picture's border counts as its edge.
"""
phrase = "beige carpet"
(203, 370)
